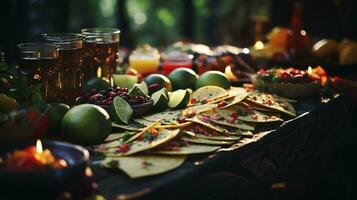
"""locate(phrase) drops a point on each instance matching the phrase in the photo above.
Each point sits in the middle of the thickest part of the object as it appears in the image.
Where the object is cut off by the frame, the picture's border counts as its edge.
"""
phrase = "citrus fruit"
(121, 110)
(216, 78)
(124, 80)
(157, 81)
(56, 111)
(97, 84)
(183, 78)
(86, 124)
(144, 88)
(136, 91)
(179, 99)
(7, 104)
(161, 99)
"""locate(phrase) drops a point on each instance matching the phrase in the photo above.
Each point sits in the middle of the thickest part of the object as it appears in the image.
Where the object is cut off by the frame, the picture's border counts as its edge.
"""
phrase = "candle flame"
(39, 146)
(228, 72)
(258, 45)
(99, 72)
(309, 70)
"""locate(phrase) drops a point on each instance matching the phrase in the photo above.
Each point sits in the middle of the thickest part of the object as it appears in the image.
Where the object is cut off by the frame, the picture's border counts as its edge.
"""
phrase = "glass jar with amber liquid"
(38, 62)
(70, 69)
(101, 48)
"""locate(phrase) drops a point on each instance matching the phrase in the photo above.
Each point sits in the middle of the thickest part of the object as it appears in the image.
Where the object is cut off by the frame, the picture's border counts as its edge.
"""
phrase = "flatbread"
(238, 124)
(209, 93)
(171, 117)
(248, 114)
(220, 138)
(143, 165)
(268, 100)
(191, 149)
(117, 136)
(111, 149)
(239, 95)
(131, 126)
(147, 128)
(206, 141)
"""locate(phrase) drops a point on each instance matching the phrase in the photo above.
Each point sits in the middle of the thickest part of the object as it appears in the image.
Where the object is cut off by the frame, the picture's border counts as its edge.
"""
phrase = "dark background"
(162, 22)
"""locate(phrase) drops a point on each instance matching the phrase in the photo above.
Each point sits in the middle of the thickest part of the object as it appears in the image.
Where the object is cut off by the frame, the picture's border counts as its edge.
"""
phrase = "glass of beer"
(38, 61)
(101, 47)
(70, 73)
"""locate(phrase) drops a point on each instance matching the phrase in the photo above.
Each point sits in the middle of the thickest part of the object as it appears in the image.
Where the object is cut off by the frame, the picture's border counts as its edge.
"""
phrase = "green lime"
(215, 78)
(124, 80)
(97, 84)
(86, 124)
(143, 87)
(136, 91)
(183, 78)
(161, 99)
(56, 111)
(121, 110)
(179, 99)
(157, 81)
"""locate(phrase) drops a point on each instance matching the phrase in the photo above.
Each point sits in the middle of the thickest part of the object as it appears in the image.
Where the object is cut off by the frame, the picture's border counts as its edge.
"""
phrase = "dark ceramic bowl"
(19, 183)
(138, 110)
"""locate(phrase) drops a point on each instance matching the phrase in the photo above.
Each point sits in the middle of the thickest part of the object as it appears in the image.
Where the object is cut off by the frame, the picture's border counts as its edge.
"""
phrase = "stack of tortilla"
(160, 142)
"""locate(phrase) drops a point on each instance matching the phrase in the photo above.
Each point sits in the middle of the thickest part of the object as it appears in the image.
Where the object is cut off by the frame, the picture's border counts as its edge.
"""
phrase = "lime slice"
(136, 91)
(124, 80)
(179, 99)
(161, 99)
(143, 86)
(121, 111)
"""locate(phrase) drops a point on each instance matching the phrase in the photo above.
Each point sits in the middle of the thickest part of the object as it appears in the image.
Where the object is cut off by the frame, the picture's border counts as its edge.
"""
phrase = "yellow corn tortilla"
(143, 165)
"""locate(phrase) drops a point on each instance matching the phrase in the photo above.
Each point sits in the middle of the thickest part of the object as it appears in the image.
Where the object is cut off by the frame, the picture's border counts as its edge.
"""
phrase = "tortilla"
(206, 141)
(116, 136)
(143, 165)
(171, 117)
(210, 126)
(131, 126)
(221, 99)
(175, 125)
(220, 138)
(147, 128)
(166, 117)
(143, 121)
(191, 149)
(209, 93)
(238, 97)
(248, 114)
(268, 100)
(237, 124)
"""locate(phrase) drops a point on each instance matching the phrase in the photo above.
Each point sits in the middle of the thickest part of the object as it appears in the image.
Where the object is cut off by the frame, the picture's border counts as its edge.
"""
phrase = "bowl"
(138, 110)
(48, 181)
(289, 90)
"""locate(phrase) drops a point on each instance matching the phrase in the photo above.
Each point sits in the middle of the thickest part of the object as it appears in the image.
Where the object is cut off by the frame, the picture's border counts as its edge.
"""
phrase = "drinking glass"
(101, 47)
(70, 70)
(38, 61)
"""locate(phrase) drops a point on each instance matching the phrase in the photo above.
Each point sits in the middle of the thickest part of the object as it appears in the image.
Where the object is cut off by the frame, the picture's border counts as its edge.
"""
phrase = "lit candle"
(32, 158)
